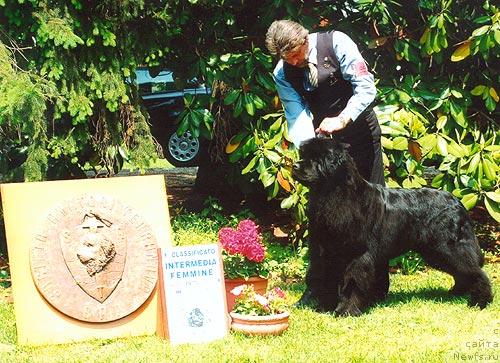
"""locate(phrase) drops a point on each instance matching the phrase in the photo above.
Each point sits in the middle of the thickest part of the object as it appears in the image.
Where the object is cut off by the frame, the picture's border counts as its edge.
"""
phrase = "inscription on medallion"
(94, 259)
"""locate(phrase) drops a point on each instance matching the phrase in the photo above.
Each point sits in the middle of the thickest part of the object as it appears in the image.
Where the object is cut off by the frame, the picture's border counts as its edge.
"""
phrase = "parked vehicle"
(164, 102)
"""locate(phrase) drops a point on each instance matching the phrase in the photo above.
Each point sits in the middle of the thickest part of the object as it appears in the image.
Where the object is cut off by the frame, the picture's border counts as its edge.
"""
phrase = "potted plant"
(257, 314)
(244, 258)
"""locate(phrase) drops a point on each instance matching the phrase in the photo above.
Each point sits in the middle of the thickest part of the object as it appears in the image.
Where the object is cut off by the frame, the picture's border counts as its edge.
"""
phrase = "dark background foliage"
(68, 103)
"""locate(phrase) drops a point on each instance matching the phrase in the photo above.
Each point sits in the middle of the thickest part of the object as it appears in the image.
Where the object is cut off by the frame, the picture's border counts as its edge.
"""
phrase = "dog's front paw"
(308, 299)
(347, 309)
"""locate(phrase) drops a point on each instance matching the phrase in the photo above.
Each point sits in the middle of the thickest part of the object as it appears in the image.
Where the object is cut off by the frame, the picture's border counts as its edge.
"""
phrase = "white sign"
(194, 292)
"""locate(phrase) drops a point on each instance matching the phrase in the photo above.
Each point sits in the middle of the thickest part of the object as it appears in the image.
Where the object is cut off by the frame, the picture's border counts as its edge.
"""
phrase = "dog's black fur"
(356, 227)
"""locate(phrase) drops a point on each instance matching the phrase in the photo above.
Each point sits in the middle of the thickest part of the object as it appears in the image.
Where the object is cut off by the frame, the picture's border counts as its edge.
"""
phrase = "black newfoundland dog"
(356, 227)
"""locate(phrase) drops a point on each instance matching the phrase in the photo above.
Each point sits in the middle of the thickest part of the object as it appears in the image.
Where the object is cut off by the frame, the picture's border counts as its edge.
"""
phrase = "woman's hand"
(330, 125)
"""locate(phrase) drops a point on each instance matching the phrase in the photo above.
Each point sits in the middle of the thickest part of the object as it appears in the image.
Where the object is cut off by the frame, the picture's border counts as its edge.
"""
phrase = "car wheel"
(183, 150)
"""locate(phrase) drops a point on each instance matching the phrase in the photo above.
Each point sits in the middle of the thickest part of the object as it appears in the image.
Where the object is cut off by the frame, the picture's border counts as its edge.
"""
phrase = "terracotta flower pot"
(260, 325)
(259, 285)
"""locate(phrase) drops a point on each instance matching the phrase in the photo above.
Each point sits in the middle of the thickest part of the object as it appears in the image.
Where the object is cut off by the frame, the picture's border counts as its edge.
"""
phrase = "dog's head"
(95, 252)
(321, 159)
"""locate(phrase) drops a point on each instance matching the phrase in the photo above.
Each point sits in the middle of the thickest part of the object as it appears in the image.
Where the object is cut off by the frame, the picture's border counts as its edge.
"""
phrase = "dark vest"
(333, 91)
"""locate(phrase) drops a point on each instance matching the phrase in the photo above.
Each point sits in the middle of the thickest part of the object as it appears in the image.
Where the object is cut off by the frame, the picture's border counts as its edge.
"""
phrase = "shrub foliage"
(66, 70)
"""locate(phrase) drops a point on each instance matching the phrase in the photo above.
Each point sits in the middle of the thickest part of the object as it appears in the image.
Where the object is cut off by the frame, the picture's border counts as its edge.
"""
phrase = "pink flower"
(229, 238)
(262, 300)
(254, 252)
(249, 229)
(245, 240)
(279, 292)
(238, 290)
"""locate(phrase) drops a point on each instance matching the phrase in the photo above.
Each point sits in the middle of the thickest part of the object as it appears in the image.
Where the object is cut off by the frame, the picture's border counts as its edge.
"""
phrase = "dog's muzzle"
(298, 172)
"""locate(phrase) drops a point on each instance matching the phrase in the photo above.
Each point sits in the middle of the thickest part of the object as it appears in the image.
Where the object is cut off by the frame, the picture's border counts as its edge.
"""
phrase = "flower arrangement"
(243, 252)
(248, 302)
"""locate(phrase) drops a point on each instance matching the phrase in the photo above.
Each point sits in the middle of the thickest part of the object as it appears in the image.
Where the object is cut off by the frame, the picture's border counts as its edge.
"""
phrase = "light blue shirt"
(353, 69)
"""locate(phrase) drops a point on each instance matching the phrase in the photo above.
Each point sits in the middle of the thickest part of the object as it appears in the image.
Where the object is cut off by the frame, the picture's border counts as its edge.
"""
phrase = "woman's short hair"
(285, 35)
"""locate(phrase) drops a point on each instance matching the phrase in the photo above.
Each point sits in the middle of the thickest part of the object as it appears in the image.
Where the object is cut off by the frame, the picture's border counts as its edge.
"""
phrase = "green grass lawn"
(419, 322)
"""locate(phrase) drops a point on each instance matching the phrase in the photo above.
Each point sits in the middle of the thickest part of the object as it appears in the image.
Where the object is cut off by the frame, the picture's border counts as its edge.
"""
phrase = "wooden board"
(25, 207)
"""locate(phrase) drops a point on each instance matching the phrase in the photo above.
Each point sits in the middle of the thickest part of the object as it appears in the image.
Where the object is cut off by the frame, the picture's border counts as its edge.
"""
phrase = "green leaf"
(493, 207)
(469, 182)
(288, 202)
(469, 201)
(428, 143)
(276, 125)
(248, 102)
(261, 166)
(225, 57)
(401, 172)
(272, 155)
(266, 81)
(478, 90)
(259, 104)
(494, 196)
(428, 95)
(462, 52)
(493, 148)
(480, 31)
(437, 181)
(123, 153)
(271, 115)
(442, 146)
(409, 183)
(435, 42)
(482, 19)
(474, 162)
(250, 165)
(231, 96)
(404, 97)
(393, 128)
(411, 165)
(443, 41)
(490, 104)
(267, 179)
(272, 142)
(489, 169)
(457, 113)
(387, 144)
(400, 143)
(421, 180)
(274, 191)
(455, 149)
(235, 156)
(441, 122)
(238, 108)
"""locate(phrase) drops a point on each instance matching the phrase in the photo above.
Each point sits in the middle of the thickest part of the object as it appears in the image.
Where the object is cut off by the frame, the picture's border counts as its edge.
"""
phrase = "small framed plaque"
(194, 300)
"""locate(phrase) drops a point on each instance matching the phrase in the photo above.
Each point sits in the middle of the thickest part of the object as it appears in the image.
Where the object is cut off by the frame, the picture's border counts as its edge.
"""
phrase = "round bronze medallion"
(94, 259)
